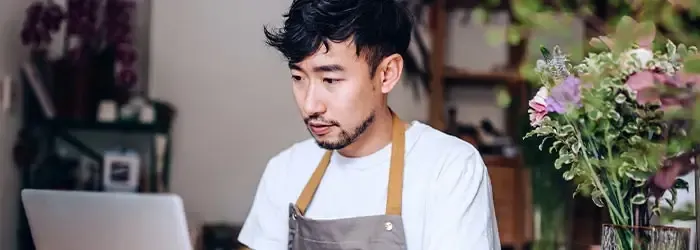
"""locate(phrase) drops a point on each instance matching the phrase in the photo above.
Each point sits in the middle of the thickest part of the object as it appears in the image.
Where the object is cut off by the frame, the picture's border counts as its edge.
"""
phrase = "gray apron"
(378, 232)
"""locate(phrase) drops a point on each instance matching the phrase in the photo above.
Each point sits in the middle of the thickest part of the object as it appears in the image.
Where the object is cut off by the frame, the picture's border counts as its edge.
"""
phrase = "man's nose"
(313, 103)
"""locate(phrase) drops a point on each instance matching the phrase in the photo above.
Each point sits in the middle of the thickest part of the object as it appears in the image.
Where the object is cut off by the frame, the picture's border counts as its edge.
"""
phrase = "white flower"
(639, 58)
(541, 96)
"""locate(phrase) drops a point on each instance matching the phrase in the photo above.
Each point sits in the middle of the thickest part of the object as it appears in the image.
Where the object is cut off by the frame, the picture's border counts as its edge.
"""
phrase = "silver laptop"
(72, 220)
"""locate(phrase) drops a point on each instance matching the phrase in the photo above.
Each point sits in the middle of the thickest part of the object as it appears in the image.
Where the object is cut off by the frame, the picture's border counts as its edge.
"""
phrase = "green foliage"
(678, 19)
(610, 143)
(685, 213)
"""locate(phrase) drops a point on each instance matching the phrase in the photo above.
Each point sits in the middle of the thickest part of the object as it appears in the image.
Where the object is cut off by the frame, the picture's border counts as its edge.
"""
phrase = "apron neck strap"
(398, 150)
(395, 188)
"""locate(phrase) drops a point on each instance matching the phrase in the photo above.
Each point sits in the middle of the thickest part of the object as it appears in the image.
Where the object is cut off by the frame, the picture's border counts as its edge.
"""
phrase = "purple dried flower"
(564, 95)
(127, 77)
(126, 55)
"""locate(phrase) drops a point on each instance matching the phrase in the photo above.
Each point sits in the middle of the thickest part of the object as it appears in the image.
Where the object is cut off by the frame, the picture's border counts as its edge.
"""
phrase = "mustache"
(319, 119)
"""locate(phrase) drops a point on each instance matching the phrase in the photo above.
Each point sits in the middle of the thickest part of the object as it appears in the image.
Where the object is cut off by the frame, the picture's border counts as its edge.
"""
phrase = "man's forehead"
(330, 50)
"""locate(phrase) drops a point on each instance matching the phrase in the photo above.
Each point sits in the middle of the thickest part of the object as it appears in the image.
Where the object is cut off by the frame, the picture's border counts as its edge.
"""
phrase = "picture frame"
(121, 171)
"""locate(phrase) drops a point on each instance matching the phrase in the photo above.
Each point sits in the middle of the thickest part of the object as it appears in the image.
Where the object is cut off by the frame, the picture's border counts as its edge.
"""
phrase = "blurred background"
(183, 96)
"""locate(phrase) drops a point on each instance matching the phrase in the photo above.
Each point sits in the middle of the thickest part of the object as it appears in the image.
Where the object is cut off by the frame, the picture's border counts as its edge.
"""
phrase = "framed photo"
(121, 171)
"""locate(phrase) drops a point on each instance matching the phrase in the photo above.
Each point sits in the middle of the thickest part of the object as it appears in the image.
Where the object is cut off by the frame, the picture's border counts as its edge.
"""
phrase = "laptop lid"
(76, 220)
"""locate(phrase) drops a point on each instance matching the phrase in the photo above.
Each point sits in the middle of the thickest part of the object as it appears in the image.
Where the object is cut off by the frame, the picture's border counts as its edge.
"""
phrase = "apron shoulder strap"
(310, 189)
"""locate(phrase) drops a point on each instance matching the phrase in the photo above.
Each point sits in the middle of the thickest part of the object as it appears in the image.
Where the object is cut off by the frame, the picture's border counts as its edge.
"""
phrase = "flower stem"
(614, 214)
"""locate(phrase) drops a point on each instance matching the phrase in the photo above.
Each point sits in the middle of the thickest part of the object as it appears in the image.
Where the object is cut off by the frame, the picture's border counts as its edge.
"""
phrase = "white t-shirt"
(447, 200)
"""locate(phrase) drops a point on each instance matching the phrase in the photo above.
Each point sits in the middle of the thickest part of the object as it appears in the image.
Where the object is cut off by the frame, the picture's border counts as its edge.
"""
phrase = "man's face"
(336, 95)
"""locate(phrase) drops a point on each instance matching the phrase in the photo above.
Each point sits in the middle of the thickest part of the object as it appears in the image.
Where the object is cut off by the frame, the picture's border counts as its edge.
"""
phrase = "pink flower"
(538, 107)
(671, 169)
(649, 88)
(684, 80)
(643, 84)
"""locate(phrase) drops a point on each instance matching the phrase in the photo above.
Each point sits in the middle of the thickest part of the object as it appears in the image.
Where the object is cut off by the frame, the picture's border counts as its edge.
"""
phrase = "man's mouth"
(319, 129)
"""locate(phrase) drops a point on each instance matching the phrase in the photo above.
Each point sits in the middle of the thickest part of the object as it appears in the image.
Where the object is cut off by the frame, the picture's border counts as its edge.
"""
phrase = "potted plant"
(624, 125)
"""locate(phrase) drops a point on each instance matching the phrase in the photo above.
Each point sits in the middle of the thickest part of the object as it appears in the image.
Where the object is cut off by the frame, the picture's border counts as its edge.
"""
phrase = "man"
(367, 180)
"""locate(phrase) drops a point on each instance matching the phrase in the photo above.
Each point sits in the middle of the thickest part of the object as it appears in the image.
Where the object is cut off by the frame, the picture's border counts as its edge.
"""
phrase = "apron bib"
(378, 232)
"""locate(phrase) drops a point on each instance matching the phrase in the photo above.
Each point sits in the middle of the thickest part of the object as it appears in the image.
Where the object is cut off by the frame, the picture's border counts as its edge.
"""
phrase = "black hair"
(379, 28)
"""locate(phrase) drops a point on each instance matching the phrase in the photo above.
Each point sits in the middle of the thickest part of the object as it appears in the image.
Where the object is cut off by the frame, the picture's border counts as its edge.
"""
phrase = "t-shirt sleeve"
(459, 211)
(266, 227)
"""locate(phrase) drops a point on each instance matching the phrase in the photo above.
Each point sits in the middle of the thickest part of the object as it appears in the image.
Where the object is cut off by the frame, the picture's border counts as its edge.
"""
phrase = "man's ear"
(389, 72)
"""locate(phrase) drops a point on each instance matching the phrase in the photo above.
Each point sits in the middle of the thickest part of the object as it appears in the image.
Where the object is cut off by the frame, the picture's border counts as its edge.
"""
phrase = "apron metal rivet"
(388, 226)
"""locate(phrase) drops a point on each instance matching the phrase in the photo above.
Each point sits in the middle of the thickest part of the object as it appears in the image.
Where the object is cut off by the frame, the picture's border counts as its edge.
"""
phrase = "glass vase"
(616, 237)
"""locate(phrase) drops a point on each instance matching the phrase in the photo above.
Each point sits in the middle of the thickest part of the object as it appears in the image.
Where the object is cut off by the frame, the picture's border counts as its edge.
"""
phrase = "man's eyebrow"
(329, 68)
(322, 68)
(294, 67)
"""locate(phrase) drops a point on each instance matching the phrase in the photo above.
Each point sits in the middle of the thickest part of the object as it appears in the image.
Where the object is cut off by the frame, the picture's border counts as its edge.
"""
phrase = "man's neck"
(376, 137)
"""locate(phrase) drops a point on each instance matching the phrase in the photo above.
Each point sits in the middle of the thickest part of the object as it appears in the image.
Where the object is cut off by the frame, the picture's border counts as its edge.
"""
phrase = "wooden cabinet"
(512, 201)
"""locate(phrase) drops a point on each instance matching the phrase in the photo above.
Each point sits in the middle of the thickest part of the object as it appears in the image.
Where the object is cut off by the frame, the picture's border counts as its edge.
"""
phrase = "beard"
(346, 137)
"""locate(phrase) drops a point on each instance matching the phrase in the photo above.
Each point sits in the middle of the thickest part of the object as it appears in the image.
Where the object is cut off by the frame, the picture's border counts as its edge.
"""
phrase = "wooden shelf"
(459, 77)
(122, 127)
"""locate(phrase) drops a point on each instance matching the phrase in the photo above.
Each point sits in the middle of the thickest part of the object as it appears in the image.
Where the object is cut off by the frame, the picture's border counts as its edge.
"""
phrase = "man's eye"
(296, 78)
(331, 80)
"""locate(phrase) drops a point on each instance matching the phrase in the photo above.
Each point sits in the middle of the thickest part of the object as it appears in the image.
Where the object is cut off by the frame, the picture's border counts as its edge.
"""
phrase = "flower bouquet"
(624, 125)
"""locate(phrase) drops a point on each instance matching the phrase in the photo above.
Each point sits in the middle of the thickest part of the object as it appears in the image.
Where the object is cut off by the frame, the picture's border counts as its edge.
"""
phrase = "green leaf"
(595, 115)
(671, 48)
(620, 98)
(598, 44)
(495, 36)
(558, 163)
(674, 198)
(503, 99)
(669, 202)
(624, 34)
(478, 16)
(645, 32)
(542, 143)
(597, 198)
(576, 148)
(670, 18)
(612, 135)
(555, 146)
(545, 52)
(639, 199)
(635, 139)
(637, 175)
(682, 50)
(681, 184)
(631, 128)
(513, 35)
(614, 115)
(569, 175)
(563, 159)
(692, 64)
(492, 3)
(524, 10)
(567, 129)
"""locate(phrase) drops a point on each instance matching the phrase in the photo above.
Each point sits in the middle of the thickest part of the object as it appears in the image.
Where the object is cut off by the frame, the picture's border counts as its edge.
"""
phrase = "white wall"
(11, 54)
(235, 104)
